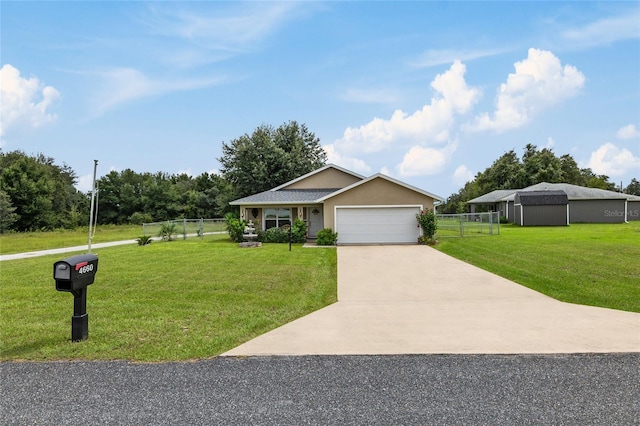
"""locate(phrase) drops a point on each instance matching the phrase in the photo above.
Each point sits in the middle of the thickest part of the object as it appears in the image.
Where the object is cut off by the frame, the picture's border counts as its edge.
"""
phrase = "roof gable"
(385, 177)
(329, 176)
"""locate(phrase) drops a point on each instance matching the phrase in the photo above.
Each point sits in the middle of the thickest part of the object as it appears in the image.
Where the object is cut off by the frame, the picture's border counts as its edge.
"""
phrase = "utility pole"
(93, 200)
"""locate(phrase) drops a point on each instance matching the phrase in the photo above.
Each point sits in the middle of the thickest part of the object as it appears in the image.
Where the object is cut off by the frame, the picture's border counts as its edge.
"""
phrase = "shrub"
(503, 219)
(235, 227)
(326, 237)
(167, 230)
(274, 235)
(298, 231)
(139, 218)
(429, 223)
(144, 240)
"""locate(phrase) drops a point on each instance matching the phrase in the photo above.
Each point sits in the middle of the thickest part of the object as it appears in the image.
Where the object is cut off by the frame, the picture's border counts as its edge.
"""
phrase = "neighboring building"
(586, 205)
(541, 208)
(373, 210)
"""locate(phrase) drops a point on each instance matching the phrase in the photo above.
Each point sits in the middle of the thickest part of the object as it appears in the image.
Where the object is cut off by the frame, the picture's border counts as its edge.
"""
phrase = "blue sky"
(427, 92)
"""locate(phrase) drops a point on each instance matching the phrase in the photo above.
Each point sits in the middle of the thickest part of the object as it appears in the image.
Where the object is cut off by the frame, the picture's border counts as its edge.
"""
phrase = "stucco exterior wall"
(329, 178)
(377, 192)
(597, 211)
(633, 210)
(544, 215)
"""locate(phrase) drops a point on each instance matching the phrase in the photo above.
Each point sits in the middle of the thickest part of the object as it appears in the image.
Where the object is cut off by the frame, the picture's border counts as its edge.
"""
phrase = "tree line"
(37, 194)
(536, 165)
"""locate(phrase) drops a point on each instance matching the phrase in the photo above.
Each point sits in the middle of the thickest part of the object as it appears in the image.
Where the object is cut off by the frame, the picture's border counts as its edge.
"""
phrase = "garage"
(377, 224)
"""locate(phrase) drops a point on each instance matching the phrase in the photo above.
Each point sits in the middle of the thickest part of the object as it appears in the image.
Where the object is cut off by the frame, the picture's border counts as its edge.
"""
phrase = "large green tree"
(270, 157)
(510, 172)
(42, 192)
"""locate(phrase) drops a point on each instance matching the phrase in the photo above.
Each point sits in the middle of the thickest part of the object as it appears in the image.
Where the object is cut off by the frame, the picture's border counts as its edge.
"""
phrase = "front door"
(316, 221)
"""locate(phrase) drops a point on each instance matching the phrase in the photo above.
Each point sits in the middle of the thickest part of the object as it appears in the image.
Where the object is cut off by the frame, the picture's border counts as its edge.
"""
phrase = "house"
(586, 205)
(363, 210)
(541, 208)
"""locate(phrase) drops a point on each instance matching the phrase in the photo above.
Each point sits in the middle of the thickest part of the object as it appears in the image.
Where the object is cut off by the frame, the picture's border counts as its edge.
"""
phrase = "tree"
(41, 192)
(633, 188)
(7, 212)
(270, 157)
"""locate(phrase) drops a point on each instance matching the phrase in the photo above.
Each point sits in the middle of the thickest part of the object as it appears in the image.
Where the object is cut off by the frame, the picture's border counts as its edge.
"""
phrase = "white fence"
(187, 227)
(468, 224)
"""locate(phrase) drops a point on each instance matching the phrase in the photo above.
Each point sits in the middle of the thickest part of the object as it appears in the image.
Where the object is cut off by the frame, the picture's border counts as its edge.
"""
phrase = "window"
(275, 218)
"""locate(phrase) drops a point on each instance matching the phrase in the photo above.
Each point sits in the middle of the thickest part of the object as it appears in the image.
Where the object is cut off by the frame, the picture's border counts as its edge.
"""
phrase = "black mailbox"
(75, 272)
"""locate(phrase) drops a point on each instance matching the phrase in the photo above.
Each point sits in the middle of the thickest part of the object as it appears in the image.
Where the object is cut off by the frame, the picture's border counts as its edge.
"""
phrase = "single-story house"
(586, 205)
(541, 208)
(363, 210)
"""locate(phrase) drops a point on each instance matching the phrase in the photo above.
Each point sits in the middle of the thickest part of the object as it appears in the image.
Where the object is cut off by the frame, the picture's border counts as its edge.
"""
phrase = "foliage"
(281, 234)
(167, 231)
(235, 227)
(139, 218)
(326, 237)
(274, 235)
(144, 240)
(551, 260)
(218, 297)
(269, 157)
(130, 197)
(42, 193)
(299, 231)
(7, 212)
(633, 188)
(510, 172)
(429, 224)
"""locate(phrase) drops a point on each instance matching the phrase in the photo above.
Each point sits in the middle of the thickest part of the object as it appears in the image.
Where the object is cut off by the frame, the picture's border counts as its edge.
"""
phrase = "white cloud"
(628, 132)
(84, 183)
(239, 27)
(419, 161)
(433, 57)
(550, 143)
(462, 175)
(369, 96)
(350, 163)
(612, 161)
(606, 31)
(24, 101)
(539, 82)
(123, 85)
(431, 124)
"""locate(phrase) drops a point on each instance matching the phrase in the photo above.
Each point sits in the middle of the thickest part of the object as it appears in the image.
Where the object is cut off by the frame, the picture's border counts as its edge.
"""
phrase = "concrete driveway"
(416, 300)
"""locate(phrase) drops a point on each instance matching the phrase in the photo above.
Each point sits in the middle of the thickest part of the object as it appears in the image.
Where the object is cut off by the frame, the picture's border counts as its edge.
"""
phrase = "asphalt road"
(584, 389)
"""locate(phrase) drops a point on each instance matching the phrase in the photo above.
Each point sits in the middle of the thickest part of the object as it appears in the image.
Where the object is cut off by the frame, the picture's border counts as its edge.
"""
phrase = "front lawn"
(589, 264)
(167, 301)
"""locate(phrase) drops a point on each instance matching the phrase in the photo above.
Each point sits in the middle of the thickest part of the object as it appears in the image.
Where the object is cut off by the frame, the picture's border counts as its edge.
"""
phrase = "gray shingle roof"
(286, 196)
(575, 192)
(542, 198)
(493, 196)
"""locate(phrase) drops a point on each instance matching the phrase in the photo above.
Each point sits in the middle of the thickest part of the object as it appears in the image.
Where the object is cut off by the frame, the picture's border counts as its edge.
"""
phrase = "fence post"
(184, 228)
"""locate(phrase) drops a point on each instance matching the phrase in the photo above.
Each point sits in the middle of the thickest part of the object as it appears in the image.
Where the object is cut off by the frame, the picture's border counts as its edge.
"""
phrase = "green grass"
(176, 300)
(22, 242)
(588, 264)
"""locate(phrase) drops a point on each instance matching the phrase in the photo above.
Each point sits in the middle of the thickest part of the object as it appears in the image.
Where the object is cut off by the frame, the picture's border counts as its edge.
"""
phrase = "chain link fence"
(468, 224)
(186, 227)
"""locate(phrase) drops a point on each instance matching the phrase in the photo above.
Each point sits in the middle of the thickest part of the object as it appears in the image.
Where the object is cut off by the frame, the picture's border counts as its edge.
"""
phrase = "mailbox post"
(73, 275)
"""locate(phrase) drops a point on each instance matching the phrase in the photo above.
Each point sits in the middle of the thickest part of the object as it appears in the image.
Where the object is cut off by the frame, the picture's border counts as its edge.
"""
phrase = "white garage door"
(377, 225)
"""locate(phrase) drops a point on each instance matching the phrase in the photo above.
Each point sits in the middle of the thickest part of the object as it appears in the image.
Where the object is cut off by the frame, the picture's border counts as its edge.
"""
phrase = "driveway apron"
(416, 300)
